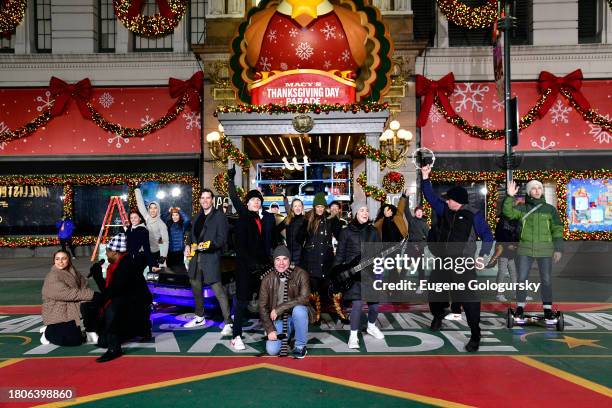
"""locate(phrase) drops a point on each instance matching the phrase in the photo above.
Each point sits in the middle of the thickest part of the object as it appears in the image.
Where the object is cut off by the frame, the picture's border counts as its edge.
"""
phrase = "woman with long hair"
(138, 247)
(178, 223)
(292, 225)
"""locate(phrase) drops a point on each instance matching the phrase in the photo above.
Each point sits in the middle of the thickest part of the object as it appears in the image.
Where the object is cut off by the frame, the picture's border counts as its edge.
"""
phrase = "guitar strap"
(284, 342)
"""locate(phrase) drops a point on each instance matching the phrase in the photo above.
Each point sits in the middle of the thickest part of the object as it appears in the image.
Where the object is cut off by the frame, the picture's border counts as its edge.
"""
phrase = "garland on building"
(393, 182)
(11, 15)
(188, 93)
(24, 242)
(549, 85)
(560, 178)
(303, 108)
(234, 154)
(220, 183)
(371, 191)
(163, 23)
(372, 153)
(470, 17)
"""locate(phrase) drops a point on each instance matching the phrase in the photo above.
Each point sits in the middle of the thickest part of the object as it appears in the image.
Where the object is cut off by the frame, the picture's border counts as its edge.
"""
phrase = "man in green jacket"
(541, 240)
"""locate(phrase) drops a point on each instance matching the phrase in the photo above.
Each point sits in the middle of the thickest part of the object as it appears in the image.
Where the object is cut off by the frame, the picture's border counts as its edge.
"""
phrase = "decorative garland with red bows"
(170, 14)
(393, 182)
(188, 94)
(372, 153)
(437, 93)
(470, 17)
(371, 191)
(11, 15)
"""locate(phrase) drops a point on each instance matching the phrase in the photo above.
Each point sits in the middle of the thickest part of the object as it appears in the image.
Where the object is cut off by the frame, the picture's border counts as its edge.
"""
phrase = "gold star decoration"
(573, 342)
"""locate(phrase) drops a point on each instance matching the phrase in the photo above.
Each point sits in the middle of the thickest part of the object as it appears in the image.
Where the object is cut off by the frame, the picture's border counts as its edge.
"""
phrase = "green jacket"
(541, 231)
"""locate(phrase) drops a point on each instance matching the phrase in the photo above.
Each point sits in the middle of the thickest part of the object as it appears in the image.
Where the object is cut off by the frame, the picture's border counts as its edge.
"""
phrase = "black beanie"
(458, 194)
(254, 194)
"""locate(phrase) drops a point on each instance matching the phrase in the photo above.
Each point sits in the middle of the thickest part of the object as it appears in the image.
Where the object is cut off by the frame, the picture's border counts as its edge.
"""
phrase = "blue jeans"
(297, 323)
(545, 269)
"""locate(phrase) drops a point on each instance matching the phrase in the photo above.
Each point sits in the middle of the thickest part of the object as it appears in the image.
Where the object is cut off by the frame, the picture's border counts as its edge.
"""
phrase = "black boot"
(474, 343)
(109, 355)
(436, 323)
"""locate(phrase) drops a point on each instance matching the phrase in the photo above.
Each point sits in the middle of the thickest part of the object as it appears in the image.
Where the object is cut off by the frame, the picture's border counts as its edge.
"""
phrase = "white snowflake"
(472, 94)
(265, 64)
(284, 66)
(329, 31)
(117, 139)
(543, 145)
(106, 100)
(559, 112)
(304, 51)
(293, 32)
(601, 136)
(192, 120)
(434, 114)
(46, 100)
(499, 106)
(487, 123)
(272, 35)
(327, 64)
(346, 55)
(146, 121)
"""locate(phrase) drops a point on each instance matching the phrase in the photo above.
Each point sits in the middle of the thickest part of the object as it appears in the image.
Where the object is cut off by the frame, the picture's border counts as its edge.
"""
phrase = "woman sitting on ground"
(63, 292)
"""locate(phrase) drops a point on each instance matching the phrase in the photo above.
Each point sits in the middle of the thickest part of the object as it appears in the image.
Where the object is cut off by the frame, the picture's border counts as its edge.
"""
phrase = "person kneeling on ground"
(283, 305)
(63, 292)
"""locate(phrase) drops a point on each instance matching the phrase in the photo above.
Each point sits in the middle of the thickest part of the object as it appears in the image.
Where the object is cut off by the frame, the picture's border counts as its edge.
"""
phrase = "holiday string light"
(235, 154)
(11, 15)
(372, 153)
(153, 26)
(469, 17)
(303, 108)
(371, 191)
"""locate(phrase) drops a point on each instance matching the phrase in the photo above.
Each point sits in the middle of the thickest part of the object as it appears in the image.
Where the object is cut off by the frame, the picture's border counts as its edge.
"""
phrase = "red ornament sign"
(309, 86)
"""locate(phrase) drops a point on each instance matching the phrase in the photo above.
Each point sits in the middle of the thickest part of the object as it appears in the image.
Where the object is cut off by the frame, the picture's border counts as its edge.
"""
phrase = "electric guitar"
(343, 276)
(199, 247)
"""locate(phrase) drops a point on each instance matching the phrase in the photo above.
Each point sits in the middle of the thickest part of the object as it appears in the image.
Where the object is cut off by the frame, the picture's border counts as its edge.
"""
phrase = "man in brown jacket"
(283, 305)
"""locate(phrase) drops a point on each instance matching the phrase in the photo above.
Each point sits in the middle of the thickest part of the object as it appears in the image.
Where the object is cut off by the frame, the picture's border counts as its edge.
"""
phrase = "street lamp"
(394, 142)
(214, 146)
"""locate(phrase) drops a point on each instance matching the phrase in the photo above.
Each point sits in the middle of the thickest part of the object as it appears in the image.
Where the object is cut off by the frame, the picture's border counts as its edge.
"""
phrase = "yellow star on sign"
(573, 342)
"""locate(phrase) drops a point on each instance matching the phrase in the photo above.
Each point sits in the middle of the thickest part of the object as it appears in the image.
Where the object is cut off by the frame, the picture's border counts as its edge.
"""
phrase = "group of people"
(288, 263)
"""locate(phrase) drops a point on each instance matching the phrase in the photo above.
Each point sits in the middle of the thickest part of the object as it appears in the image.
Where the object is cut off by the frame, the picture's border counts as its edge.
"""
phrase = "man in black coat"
(209, 232)
(252, 251)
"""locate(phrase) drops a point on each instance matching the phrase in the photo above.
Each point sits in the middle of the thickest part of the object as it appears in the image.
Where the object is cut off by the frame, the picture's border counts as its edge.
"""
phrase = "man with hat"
(253, 240)
(283, 305)
(127, 300)
(453, 238)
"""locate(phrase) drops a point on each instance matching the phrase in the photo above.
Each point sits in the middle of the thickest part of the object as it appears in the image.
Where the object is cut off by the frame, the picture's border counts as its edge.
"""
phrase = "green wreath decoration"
(151, 26)
(393, 182)
(471, 17)
(11, 15)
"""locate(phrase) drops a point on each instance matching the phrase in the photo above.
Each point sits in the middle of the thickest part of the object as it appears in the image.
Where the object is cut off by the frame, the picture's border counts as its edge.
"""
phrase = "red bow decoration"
(192, 87)
(63, 93)
(136, 7)
(572, 83)
(428, 88)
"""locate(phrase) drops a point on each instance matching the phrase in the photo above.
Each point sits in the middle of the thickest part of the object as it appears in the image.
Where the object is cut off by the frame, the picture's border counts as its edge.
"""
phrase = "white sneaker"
(237, 343)
(501, 298)
(227, 330)
(353, 342)
(195, 322)
(92, 337)
(374, 331)
(43, 340)
(42, 329)
(453, 316)
(528, 299)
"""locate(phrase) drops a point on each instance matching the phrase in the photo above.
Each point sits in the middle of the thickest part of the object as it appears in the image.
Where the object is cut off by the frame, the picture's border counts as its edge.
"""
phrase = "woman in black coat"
(292, 225)
(138, 247)
(349, 247)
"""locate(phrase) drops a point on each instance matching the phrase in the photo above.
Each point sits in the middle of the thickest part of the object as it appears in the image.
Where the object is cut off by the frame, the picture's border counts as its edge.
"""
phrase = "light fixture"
(176, 192)
(296, 164)
(124, 197)
(218, 153)
(395, 143)
(160, 195)
(483, 191)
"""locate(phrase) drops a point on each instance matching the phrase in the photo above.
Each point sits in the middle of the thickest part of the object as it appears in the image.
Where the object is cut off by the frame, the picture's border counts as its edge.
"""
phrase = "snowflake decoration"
(272, 36)
(265, 64)
(304, 51)
(542, 145)
(192, 120)
(434, 115)
(559, 112)
(487, 123)
(284, 66)
(46, 101)
(3, 145)
(499, 106)
(3, 128)
(146, 121)
(106, 100)
(117, 139)
(327, 64)
(293, 32)
(600, 135)
(346, 55)
(329, 31)
(472, 94)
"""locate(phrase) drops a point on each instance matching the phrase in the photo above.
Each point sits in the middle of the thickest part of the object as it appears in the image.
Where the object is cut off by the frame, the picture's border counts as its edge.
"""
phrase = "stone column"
(441, 39)
(25, 31)
(555, 22)
(73, 26)
(122, 38)
(373, 173)
(607, 24)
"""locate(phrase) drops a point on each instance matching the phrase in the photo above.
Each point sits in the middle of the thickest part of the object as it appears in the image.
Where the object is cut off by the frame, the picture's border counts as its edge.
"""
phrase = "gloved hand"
(231, 173)
(162, 260)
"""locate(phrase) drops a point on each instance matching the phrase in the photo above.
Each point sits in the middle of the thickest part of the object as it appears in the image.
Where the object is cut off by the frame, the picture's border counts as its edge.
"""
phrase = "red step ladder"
(115, 201)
